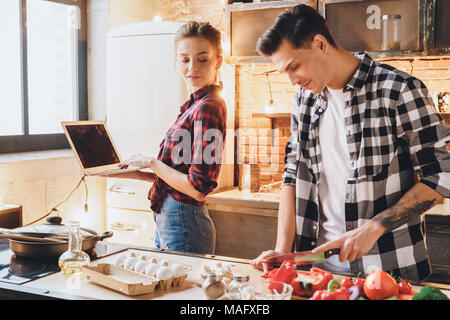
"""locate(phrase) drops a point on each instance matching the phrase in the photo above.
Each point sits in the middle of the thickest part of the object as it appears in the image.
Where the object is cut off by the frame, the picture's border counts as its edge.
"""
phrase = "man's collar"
(361, 73)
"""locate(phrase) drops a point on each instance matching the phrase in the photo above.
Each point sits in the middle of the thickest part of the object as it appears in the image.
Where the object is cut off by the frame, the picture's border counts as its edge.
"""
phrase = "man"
(360, 131)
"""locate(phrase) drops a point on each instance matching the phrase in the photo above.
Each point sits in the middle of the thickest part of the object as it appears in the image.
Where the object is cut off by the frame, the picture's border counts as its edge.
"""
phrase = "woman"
(188, 163)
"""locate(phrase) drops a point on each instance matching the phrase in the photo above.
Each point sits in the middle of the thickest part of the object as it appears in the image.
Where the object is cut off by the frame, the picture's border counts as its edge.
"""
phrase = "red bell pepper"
(285, 273)
(269, 273)
(338, 294)
(347, 283)
(306, 283)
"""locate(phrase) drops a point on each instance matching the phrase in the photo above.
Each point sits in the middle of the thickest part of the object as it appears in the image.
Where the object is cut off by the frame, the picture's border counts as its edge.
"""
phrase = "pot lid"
(52, 227)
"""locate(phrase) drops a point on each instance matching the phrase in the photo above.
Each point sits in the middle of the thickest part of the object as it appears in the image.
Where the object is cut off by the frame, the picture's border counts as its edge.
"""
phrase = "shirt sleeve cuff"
(439, 182)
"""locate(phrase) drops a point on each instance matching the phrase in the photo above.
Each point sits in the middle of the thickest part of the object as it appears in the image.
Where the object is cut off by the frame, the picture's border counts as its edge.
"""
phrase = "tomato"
(347, 283)
(405, 288)
(379, 285)
(405, 296)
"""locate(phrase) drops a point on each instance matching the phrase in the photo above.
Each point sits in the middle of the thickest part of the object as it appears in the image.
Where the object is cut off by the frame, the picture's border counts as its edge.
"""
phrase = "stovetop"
(19, 270)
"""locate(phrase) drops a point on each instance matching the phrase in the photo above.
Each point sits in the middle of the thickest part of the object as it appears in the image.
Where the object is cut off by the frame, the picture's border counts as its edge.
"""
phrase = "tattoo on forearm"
(392, 219)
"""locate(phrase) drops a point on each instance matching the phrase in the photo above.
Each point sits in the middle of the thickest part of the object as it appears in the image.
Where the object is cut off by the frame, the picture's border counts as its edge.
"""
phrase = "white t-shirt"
(334, 174)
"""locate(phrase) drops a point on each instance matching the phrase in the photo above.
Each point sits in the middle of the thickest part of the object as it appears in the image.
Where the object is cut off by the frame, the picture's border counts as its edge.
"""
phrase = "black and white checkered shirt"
(392, 132)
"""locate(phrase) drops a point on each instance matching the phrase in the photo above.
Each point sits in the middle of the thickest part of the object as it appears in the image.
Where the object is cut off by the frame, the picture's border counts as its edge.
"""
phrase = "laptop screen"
(93, 145)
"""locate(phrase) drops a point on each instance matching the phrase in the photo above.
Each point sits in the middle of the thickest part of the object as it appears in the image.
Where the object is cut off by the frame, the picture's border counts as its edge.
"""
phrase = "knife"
(299, 258)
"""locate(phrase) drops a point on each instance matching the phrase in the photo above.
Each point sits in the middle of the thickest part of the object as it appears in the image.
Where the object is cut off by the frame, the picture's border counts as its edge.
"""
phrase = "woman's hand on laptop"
(137, 160)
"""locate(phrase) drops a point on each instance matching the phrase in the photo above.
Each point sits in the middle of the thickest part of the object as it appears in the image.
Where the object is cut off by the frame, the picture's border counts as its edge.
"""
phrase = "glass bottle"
(213, 286)
(239, 288)
(391, 32)
(72, 261)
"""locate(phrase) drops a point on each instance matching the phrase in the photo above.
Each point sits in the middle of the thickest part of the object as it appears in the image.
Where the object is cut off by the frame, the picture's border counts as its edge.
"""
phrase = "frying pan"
(48, 250)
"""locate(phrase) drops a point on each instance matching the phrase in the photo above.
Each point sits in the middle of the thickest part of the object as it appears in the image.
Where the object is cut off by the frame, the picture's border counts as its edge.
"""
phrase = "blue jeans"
(184, 227)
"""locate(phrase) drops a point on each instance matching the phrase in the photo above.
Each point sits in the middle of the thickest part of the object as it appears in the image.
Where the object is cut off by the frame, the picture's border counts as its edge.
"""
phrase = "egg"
(140, 266)
(164, 263)
(119, 260)
(177, 269)
(164, 273)
(151, 269)
(129, 263)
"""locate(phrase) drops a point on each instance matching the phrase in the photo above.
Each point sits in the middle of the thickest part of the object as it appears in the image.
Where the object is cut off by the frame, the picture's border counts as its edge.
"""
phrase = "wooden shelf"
(272, 115)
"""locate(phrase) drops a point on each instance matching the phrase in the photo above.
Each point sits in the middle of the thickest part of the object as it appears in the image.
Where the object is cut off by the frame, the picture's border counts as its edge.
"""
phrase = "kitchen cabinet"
(246, 223)
(128, 212)
(246, 22)
(10, 216)
(439, 26)
(437, 239)
(357, 25)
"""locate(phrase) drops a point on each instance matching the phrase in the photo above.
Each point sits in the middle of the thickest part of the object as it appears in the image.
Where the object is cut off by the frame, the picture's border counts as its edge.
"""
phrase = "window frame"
(36, 142)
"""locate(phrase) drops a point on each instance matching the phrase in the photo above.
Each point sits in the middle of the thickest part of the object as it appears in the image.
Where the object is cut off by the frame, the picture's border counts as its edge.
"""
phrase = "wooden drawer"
(128, 194)
(136, 228)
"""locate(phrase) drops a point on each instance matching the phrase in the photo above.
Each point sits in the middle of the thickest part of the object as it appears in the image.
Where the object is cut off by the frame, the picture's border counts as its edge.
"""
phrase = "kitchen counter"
(56, 286)
(257, 203)
(261, 203)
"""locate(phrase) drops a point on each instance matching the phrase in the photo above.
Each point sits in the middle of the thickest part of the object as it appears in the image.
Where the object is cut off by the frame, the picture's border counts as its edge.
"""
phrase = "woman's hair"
(201, 30)
(298, 25)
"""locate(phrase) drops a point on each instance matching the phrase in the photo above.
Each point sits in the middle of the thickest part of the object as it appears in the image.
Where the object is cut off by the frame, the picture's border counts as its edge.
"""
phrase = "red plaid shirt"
(204, 110)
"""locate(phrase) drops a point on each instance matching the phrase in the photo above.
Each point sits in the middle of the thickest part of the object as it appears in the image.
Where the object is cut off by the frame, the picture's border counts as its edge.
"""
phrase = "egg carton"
(169, 273)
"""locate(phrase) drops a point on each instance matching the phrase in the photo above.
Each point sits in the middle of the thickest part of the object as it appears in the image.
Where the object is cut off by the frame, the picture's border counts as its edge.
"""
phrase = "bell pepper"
(306, 283)
(327, 274)
(347, 283)
(269, 273)
(285, 273)
(405, 288)
(338, 294)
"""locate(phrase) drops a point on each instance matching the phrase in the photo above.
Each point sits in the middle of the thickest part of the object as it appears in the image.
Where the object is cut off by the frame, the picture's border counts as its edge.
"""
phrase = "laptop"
(93, 147)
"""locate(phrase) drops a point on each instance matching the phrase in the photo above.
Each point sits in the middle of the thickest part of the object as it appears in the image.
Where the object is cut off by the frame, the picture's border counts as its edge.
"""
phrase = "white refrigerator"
(144, 94)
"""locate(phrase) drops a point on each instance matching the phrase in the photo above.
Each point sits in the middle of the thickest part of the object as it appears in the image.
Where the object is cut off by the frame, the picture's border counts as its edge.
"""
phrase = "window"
(43, 78)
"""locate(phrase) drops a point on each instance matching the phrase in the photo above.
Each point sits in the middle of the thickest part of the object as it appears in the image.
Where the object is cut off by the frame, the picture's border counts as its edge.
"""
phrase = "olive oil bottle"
(72, 261)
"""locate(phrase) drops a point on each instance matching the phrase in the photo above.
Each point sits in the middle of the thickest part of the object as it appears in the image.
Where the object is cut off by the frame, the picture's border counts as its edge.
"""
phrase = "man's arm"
(356, 243)
(416, 201)
(286, 220)
(286, 226)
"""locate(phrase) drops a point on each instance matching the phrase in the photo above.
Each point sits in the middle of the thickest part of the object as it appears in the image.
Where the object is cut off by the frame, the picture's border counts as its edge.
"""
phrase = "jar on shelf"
(391, 32)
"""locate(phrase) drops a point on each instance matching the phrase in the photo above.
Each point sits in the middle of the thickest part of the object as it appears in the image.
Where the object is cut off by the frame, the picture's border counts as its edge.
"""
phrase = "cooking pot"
(52, 228)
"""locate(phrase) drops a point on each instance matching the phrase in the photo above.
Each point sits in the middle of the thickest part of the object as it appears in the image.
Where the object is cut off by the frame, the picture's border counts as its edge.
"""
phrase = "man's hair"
(298, 25)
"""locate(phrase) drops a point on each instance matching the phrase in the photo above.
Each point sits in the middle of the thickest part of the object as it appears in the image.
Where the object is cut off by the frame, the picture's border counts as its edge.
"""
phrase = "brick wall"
(254, 143)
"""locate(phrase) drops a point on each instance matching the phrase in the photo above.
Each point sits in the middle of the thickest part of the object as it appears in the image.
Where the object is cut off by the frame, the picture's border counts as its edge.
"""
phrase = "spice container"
(391, 32)
(213, 286)
(240, 288)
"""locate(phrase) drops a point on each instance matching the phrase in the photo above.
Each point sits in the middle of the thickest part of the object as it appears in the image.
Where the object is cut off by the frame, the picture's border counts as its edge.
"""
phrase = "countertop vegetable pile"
(318, 284)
